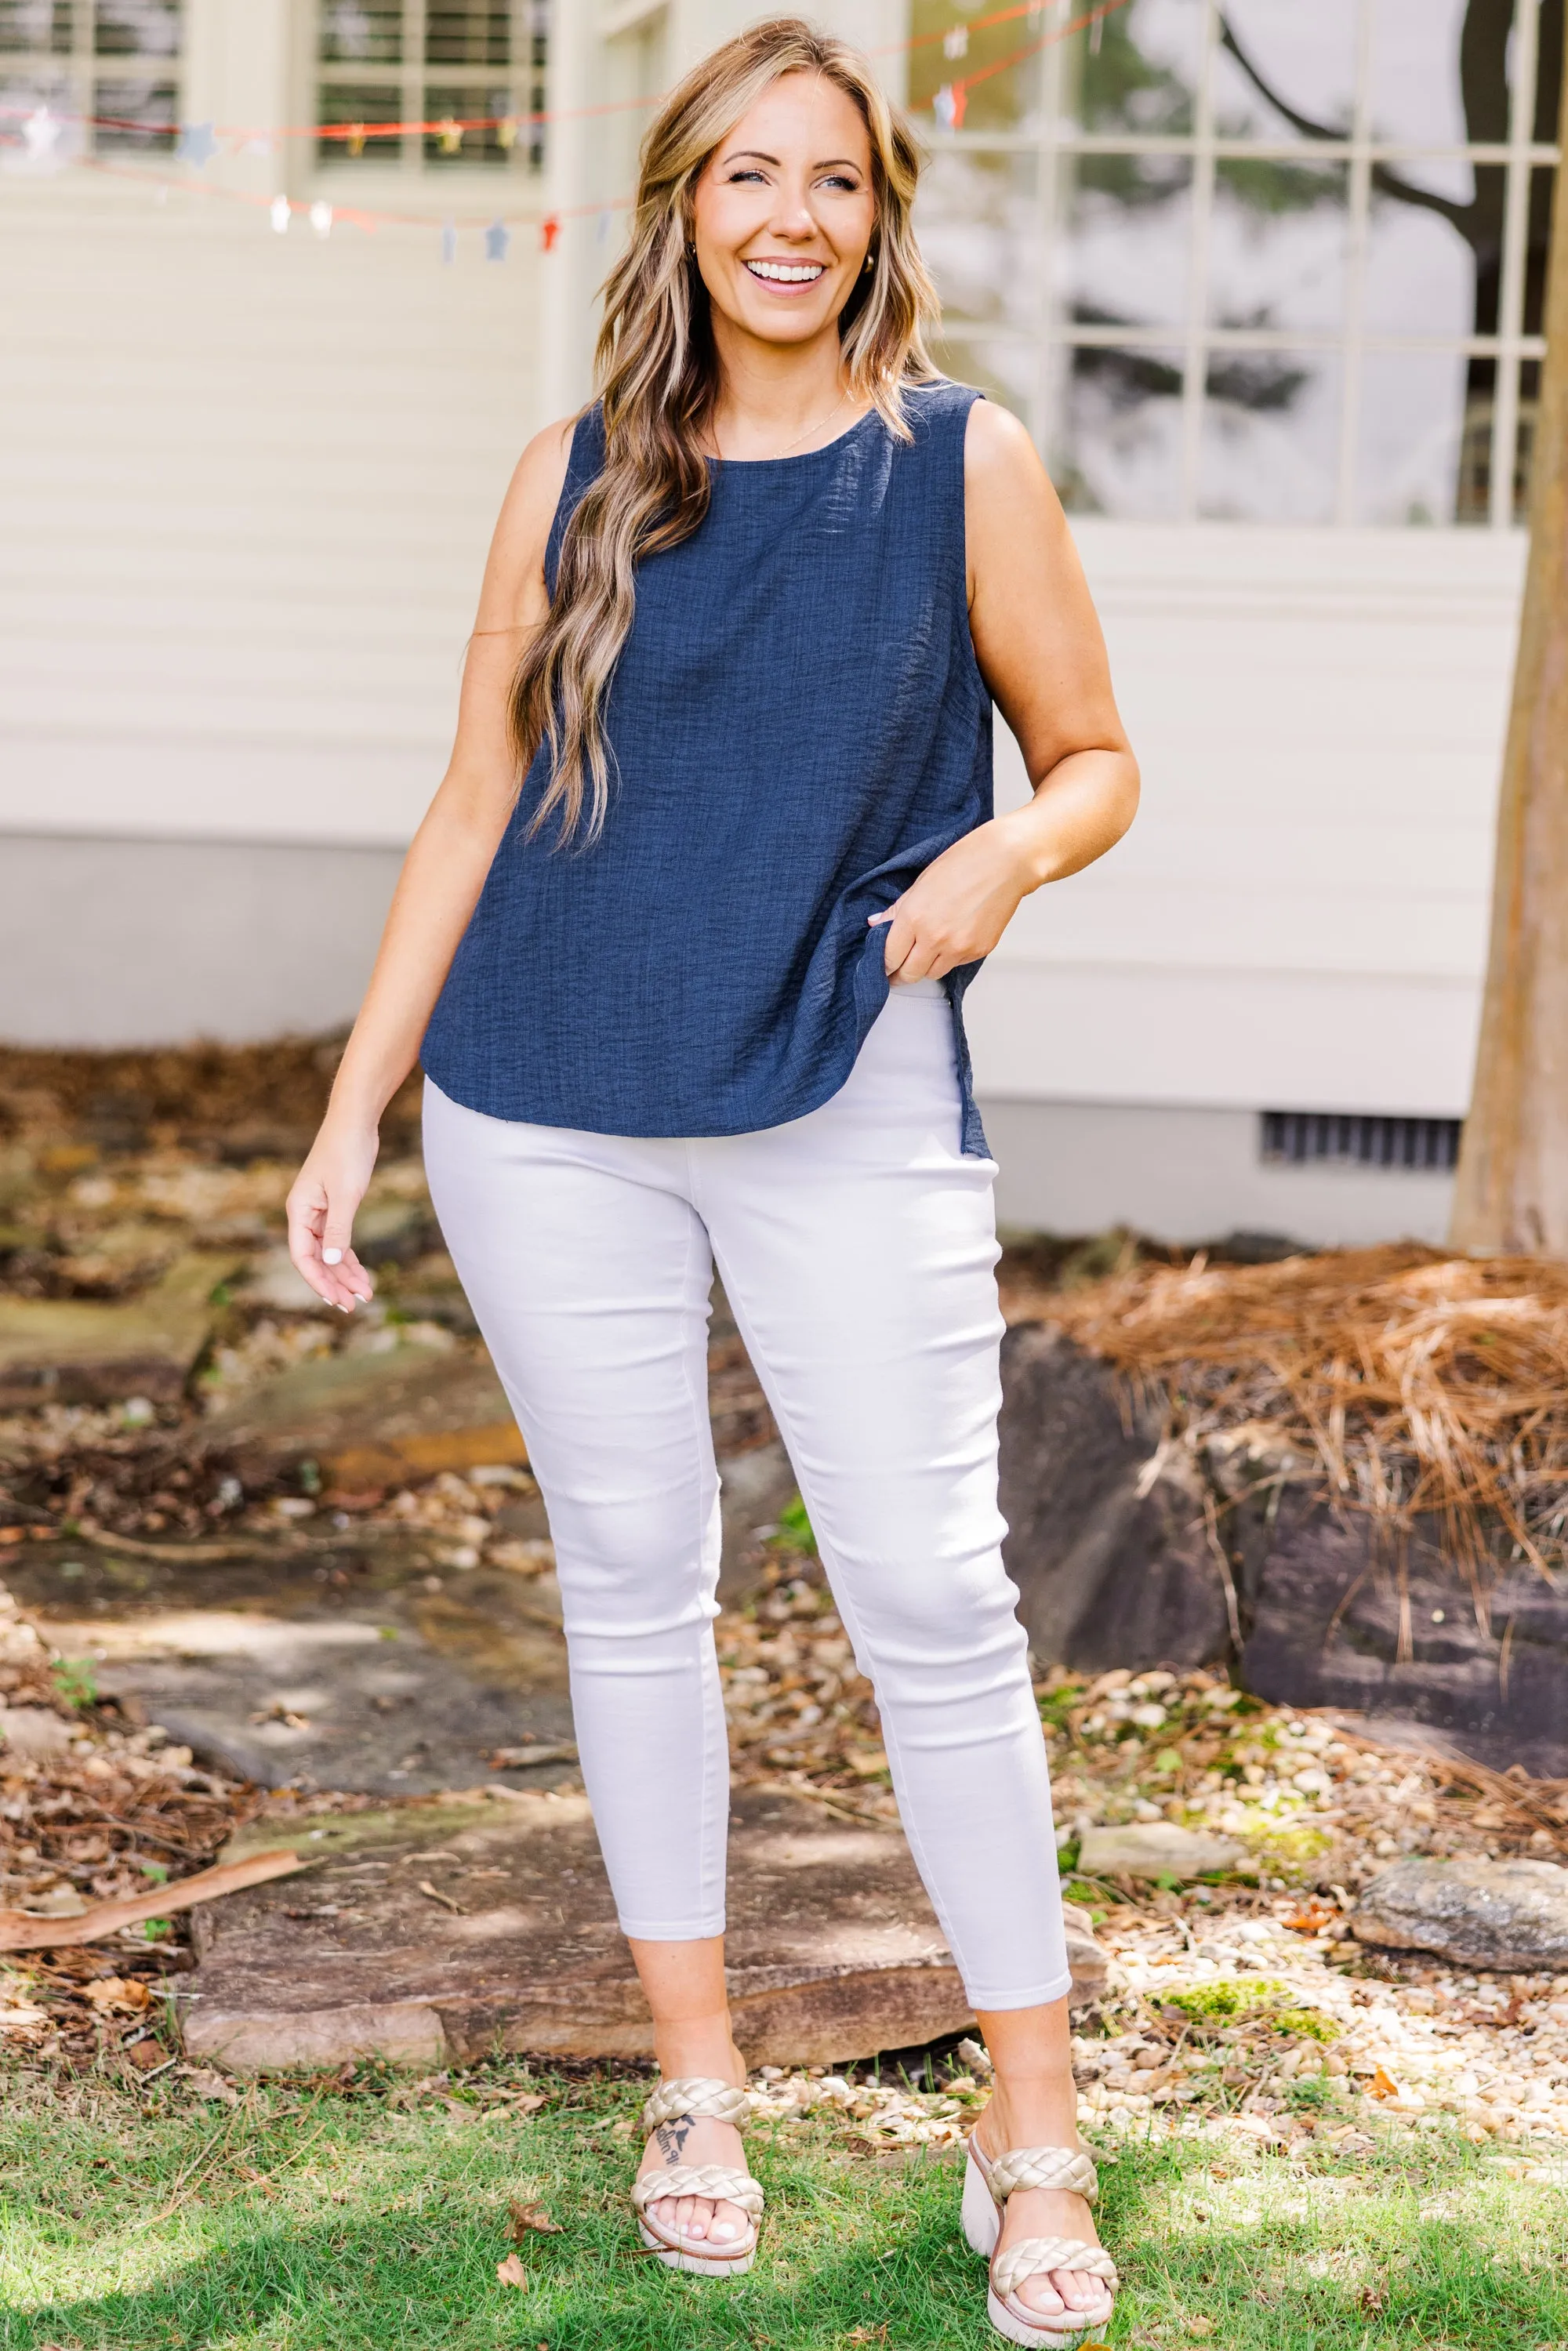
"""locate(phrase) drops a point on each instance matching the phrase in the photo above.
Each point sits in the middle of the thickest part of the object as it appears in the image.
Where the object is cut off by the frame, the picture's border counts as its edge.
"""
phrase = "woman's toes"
(686, 2212)
(1039, 2293)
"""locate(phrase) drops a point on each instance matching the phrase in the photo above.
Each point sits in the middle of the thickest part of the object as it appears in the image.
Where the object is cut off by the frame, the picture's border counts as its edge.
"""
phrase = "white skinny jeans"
(857, 1248)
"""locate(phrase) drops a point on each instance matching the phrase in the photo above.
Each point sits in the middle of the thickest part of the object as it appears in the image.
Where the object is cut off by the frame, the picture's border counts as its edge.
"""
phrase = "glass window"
(463, 80)
(1277, 259)
(109, 70)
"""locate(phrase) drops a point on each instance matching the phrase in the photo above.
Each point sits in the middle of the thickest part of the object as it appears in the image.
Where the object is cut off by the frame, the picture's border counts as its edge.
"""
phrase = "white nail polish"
(724, 2229)
(331, 1257)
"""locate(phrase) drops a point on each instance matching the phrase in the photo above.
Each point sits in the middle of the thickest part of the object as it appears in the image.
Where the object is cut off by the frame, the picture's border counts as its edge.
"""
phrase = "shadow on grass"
(854, 2255)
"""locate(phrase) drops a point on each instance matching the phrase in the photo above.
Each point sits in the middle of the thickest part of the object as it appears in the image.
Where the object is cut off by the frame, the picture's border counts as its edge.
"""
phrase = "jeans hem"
(701, 1932)
(1036, 1996)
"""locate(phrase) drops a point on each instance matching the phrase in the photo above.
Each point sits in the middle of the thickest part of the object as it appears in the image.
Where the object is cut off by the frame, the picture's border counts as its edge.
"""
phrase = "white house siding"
(246, 482)
(246, 485)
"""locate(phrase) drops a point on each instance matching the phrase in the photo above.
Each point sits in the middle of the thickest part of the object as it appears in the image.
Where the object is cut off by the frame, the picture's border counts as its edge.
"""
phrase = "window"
(109, 70)
(1266, 260)
(462, 79)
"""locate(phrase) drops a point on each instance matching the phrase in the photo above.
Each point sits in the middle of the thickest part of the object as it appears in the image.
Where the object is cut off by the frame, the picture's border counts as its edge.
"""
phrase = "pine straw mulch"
(1407, 1381)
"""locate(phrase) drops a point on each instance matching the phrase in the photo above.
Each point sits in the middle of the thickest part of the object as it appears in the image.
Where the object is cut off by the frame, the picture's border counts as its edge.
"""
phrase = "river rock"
(1511, 1915)
(1155, 1849)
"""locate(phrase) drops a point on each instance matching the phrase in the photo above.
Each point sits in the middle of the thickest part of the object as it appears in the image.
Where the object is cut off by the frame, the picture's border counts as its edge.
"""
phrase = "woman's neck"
(778, 400)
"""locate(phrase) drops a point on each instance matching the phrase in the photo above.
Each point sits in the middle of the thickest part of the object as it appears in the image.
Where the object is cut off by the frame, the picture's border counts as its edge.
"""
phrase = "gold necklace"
(791, 446)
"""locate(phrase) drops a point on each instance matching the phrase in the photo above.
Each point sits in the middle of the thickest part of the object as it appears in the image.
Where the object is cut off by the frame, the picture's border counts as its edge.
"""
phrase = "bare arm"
(438, 888)
(1041, 654)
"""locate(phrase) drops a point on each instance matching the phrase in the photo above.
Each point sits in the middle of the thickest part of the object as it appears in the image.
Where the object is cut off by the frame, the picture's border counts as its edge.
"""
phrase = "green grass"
(312, 2220)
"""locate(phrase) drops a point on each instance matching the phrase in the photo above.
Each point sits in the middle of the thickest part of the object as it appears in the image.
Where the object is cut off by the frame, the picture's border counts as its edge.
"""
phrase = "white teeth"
(787, 273)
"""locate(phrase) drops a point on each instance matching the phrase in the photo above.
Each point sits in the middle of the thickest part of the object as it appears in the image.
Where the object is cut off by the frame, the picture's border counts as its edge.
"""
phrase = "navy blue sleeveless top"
(798, 726)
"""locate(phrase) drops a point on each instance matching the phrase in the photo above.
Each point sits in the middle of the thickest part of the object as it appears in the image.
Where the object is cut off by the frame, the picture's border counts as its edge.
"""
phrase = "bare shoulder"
(1001, 464)
(513, 575)
(534, 492)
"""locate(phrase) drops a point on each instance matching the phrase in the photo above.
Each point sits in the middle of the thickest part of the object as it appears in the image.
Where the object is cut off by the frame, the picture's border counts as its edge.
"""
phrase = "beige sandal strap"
(1064, 2168)
(1036, 2256)
(719, 2181)
(700, 2096)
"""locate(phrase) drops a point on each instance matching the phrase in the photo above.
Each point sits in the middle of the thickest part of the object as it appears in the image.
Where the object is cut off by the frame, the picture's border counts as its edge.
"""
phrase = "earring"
(691, 247)
(870, 265)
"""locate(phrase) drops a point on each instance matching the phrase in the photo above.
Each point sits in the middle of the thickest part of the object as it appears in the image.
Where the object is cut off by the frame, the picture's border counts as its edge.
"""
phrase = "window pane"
(36, 25)
(140, 29)
(1431, 270)
(1285, 69)
(1117, 447)
(23, 93)
(1004, 99)
(979, 232)
(1541, 184)
(361, 32)
(1549, 70)
(1529, 410)
(469, 103)
(1000, 368)
(467, 33)
(1127, 240)
(1137, 71)
(1277, 243)
(1414, 437)
(1270, 436)
(357, 105)
(1414, 89)
(135, 117)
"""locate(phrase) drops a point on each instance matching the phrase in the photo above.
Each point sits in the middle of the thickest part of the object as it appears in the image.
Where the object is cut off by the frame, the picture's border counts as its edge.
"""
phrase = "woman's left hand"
(960, 905)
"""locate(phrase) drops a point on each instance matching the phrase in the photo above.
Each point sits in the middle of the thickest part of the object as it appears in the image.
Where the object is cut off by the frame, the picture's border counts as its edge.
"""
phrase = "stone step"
(439, 1932)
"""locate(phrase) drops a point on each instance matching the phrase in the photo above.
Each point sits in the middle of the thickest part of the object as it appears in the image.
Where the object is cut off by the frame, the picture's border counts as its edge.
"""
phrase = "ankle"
(1032, 2110)
(698, 2047)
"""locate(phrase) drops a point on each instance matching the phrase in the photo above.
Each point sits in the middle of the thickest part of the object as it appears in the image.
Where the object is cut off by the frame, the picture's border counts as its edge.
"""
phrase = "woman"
(692, 993)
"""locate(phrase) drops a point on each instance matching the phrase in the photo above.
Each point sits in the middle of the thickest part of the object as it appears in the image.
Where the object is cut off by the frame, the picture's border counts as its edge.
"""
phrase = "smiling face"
(784, 212)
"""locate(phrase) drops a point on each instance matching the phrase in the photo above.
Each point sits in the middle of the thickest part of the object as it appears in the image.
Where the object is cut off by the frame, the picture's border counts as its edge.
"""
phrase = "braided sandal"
(697, 2099)
(988, 2181)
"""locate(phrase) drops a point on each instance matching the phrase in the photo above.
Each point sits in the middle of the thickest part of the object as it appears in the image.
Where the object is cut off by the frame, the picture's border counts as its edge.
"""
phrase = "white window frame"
(525, 82)
(67, 81)
(1053, 140)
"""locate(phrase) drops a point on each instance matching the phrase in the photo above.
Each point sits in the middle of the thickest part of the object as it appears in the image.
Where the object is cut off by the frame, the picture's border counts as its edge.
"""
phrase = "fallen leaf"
(118, 1992)
(1384, 2086)
(207, 2084)
(1199, 2325)
(519, 2101)
(436, 1895)
(511, 2271)
(526, 2217)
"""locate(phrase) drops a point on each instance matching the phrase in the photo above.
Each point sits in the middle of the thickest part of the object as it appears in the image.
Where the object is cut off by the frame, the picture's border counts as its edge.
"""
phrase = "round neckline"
(797, 457)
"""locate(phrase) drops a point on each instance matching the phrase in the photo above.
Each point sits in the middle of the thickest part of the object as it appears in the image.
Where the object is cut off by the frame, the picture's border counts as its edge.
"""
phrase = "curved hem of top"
(650, 1135)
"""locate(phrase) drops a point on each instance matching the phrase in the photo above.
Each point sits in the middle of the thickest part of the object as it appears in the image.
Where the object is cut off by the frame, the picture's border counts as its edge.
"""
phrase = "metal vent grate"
(1301, 1138)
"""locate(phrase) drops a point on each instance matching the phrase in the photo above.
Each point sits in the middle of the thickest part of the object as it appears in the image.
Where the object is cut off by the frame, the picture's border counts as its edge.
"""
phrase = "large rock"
(1155, 1849)
(88, 1351)
(298, 1664)
(443, 1931)
(1127, 1555)
(1337, 1620)
(371, 1419)
(1108, 1545)
(1511, 1915)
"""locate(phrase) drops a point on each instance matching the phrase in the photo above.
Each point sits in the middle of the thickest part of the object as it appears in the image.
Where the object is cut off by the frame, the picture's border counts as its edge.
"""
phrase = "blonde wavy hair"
(656, 373)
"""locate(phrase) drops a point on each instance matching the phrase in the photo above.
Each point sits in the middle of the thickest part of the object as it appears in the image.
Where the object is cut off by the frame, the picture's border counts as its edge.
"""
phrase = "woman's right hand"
(321, 1205)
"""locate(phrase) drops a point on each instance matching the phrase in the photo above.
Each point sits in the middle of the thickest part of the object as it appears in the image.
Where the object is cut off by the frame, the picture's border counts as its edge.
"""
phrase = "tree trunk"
(1512, 1190)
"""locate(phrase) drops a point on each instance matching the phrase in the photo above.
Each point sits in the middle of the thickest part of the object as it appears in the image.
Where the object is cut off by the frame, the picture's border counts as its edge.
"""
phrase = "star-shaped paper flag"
(197, 144)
